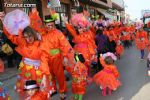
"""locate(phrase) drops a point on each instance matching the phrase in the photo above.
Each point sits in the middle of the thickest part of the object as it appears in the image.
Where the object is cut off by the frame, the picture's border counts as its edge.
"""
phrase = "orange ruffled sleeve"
(71, 29)
(18, 40)
(102, 62)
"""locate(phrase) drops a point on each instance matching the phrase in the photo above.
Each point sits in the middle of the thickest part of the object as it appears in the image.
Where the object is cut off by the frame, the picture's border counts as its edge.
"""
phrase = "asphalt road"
(133, 72)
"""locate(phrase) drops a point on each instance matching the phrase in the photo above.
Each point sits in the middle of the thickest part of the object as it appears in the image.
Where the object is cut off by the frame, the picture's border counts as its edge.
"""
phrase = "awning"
(105, 13)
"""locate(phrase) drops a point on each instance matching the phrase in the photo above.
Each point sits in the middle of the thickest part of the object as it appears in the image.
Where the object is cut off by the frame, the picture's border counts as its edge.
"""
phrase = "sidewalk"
(8, 74)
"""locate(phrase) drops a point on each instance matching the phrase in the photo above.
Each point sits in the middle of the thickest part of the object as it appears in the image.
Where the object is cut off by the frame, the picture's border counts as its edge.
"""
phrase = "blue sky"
(134, 7)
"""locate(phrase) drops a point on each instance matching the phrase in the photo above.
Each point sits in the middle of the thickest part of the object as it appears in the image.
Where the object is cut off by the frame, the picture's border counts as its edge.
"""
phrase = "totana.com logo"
(11, 5)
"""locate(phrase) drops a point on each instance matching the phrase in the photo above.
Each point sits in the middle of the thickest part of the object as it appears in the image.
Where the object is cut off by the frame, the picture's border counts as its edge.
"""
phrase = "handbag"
(7, 49)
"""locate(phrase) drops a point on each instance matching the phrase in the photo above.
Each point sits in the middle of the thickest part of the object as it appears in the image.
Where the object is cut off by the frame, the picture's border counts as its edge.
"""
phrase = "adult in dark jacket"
(102, 43)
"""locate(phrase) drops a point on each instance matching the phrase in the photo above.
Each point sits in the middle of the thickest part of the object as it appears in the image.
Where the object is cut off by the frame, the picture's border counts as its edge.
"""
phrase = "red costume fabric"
(112, 36)
(79, 75)
(3, 93)
(141, 40)
(1, 66)
(84, 43)
(148, 24)
(93, 31)
(36, 22)
(40, 96)
(30, 53)
(119, 50)
(108, 76)
(55, 43)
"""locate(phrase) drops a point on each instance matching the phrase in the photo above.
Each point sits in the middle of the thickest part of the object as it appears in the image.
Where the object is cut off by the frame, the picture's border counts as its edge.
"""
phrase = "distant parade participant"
(119, 49)
(112, 37)
(141, 41)
(108, 77)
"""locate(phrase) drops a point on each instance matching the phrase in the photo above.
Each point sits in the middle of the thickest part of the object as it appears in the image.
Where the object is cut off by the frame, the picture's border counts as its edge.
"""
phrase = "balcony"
(118, 4)
(105, 4)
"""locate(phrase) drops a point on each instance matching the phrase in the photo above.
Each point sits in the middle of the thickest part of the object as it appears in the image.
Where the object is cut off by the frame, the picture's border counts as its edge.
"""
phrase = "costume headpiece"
(15, 21)
(31, 84)
(80, 20)
(111, 55)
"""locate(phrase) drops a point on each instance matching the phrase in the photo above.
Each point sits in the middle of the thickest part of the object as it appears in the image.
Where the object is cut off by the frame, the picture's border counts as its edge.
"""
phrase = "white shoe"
(148, 72)
(100, 87)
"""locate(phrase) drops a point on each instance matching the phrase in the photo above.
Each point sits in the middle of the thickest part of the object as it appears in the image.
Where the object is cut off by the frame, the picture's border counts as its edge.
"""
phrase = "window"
(62, 9)
(63, 14)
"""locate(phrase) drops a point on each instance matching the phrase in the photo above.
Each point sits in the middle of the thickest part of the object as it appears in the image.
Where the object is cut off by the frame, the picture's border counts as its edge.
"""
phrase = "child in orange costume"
(119, 49)
(79, 74)
(33, 91)
(107, 78)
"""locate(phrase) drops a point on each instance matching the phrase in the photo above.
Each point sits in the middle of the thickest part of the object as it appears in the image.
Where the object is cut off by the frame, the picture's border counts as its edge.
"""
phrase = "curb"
(7, 78)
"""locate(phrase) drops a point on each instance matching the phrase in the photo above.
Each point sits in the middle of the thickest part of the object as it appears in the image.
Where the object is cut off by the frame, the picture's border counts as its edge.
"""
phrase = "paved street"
(135, 82)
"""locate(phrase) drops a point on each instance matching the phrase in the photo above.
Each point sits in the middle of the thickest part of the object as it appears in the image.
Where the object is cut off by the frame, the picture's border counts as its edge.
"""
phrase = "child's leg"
(109, 91)
(104, 92)
(142, 54)
(75, 97)
(80, 97)
(148, 62)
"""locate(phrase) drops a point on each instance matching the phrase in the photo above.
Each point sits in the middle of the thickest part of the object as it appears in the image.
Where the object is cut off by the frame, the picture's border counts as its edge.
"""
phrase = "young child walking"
(79, 75)
(108, 77)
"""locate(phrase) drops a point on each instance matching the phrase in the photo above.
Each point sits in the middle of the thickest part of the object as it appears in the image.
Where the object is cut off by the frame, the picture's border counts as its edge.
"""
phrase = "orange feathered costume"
(34, 62)
(84, 43)
(141, 40)
(56, 44)
(108, 76)
(36, 22)
(79, 75)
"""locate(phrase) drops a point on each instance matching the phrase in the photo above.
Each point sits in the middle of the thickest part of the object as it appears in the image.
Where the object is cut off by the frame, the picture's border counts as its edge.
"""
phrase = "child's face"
(31, 92)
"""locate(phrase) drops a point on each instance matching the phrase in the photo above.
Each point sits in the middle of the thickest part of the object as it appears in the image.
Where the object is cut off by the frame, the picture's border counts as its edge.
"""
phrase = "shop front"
(64, 11)
(105, 13)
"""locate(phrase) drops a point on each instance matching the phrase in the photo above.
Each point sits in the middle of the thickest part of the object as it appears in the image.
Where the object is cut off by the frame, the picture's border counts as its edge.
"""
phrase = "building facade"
(119, 10)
